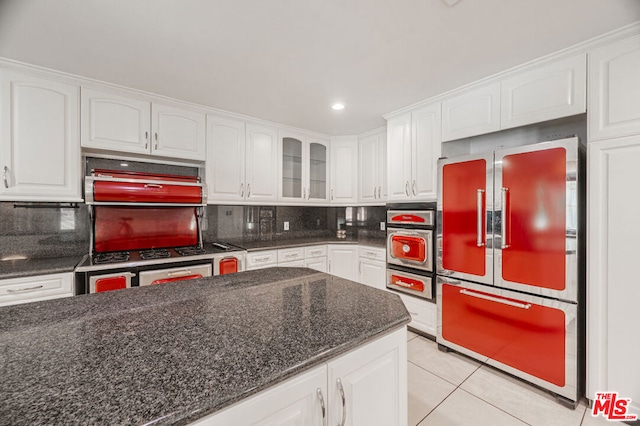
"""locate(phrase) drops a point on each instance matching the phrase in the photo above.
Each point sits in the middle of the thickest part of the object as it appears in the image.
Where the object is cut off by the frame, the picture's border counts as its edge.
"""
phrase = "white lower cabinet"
(262, 259)
(315, 257)
(343, 261)
(372, 267)
(14, 291)
(423, 314)
(367, 386)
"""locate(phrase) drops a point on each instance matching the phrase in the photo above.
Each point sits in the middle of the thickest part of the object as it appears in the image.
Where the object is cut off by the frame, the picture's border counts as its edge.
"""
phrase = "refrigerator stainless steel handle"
(413, 188)
(406, 188)
(242, 189)
(479, 240)
(503, 218)
(495, 299)
(344, 402)
(322, 407)
(5, 173)
(20, 290)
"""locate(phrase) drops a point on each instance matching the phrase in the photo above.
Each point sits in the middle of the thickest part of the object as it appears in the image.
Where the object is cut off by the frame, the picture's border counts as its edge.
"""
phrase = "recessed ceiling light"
(337, 106)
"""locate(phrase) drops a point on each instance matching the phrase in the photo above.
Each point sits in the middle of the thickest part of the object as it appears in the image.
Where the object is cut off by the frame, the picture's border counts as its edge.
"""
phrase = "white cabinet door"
(368, 386)
(399, 158)
(372, 273)
(426, 148)
(612, 257)
(301, 400)
(39, 139)
(317, 263)
(225, 159)
(261, 163)
(114, 122)
(178, 133)
(614, 89)
(344, 171)
(32, 289)
(317, 170)
(372, 168)
(474, 112)
(291, 165)
(553, 91)
(343, 261)
(423, 314)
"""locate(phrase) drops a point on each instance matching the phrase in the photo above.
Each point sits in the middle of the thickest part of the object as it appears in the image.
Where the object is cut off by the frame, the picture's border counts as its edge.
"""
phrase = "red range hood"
(110, 187)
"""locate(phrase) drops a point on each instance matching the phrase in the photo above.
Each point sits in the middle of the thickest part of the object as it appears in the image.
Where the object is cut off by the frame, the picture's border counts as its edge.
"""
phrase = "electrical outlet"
(286, 226)
(317, 222)
(382, 226)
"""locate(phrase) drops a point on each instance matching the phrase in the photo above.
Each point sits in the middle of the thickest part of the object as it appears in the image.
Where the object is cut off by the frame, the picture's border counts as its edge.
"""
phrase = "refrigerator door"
(536, 217)
(531, 337)
(465, 201)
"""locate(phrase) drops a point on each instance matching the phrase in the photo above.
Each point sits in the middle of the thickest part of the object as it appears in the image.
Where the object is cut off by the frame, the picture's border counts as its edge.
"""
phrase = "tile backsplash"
(49, 230)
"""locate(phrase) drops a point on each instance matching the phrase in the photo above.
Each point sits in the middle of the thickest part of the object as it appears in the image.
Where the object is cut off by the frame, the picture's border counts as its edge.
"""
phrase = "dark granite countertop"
(281, 243)
(38, 266)
(176, 352)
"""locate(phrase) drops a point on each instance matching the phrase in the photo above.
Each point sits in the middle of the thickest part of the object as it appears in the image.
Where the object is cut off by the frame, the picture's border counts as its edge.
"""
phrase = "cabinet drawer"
(293, 264)
(423, 314)
(373, 253)
(315, 251)
(32, 289)
(288, 255)
(262, 259)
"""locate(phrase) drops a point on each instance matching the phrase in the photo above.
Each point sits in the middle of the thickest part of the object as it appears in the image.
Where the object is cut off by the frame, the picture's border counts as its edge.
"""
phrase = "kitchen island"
(175, 353)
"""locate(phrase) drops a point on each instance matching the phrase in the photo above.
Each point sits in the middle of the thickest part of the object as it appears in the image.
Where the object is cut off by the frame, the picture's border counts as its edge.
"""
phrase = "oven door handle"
(180, 278)
(181, 273)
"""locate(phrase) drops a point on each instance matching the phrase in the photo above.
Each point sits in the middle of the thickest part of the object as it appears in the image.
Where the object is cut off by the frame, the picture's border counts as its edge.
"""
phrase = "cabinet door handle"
(413, 188)
(5, 173)
(156, 136)
(329, 265)
(304, 193)
(322, 407)
(146, 140)
(241, 189)
(480, 199)
(375, 193)
(360, 267)
(332, 194)
(248, 190)
(379, 192)
(308, 193)
(406, 188)
(20, 290)
(344, 402)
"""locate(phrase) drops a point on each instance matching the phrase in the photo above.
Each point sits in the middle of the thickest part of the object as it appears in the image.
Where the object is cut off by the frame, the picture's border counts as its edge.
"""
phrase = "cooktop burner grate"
(190, 250)
(154, 254)
(111, 257)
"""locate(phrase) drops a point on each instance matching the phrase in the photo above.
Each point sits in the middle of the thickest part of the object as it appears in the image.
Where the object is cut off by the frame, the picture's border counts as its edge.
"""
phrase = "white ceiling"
(288, 60)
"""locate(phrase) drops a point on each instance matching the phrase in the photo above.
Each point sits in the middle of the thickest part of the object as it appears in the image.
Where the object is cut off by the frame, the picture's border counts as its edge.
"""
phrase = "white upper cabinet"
(225, 170)
(115, 122)
(344, 171)
(413, 148)
(261, 175)
(304, 168)
(372, 167)
(399, 157)
(427, 145)
(119, 123)
(177, 132)
(39, 139)
(474, 112)
(614, 89)
(545, 93)
(241, 161)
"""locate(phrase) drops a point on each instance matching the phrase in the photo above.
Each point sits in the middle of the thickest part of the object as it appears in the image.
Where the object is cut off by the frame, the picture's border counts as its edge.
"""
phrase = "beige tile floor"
(452, 389)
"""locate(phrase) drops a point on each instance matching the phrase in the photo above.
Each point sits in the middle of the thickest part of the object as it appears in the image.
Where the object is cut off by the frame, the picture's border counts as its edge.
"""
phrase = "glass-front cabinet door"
(304, 168)
(318, 155)
(292, 184)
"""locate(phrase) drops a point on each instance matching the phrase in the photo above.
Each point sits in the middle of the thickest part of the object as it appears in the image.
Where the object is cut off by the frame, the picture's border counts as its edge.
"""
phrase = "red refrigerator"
(509, 239)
